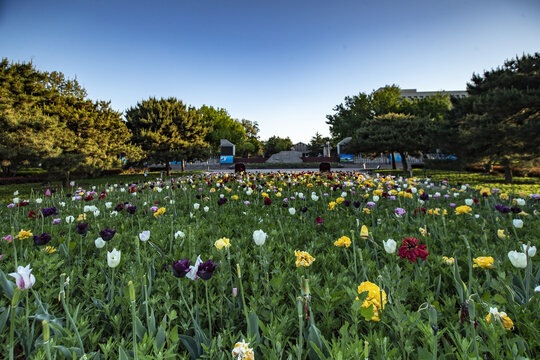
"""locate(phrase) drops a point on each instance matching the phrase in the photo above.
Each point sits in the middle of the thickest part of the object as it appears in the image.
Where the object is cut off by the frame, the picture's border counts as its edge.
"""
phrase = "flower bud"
(131, 291)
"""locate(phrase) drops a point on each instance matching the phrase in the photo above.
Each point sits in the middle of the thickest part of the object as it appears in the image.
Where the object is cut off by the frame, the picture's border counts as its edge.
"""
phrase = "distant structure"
(413, 94)
(303, 148)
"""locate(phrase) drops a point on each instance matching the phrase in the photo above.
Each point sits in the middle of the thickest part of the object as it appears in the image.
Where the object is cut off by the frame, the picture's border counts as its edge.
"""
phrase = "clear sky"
(282, 63)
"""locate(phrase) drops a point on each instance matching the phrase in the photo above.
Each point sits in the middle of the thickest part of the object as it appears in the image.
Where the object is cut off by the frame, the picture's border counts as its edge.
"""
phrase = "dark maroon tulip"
(206, 269)
(181, 268)
(131, 209)
(42, 239)
(107, 234)
(82, 228)
(356, 204)
(221, 201)
(119, 207)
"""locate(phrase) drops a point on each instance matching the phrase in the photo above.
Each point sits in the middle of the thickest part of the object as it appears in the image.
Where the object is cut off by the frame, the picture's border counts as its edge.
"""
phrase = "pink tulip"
(48, 192)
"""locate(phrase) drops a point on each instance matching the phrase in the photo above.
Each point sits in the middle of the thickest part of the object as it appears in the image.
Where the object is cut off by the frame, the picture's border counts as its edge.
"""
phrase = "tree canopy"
(47, 119)
(276, 144)
(168, 130)
(500, 119)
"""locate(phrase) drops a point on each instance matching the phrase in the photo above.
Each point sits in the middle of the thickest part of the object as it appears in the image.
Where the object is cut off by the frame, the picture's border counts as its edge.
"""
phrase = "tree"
(221, 126)
(358, 113)
(499, 121)
(251, 146)
(167, 130)
(394, 133)
(316, 144)
(26, 134)
(276, 144)
(46, 119)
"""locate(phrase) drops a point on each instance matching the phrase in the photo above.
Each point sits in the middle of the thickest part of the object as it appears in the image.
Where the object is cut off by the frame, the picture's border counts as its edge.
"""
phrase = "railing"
(382, 160)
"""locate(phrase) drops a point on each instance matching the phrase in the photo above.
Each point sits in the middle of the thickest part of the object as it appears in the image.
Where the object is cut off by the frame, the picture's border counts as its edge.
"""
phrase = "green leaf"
(160, 338)
(122, 354)
(3, 318)
(191, 345)
(7, 285)
(317, 348)
(367, 313)
(253, 326)
(139, 328)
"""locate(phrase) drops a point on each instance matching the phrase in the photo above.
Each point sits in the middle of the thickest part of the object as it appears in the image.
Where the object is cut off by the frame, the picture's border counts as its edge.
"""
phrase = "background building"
(413, 94)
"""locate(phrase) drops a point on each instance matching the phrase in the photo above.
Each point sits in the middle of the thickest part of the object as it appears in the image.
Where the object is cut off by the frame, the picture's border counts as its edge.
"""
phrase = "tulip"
(375, 198)
(390, 246)
(179, 234)
(70, 219)
(532, 250)
(314, 197)
(42, 239)
(181, 268)
(292, 211)
(196, 206)
(400, 211)
(222, 243)
(145, 235)
(107, 234)
(518, 259)
(82, 228)
(23, 277)
(518, 223)
(99, 243)
(259, 237)
(113, 258)
(364, 231)
(206, 208)
(469, 202)
(206, 269)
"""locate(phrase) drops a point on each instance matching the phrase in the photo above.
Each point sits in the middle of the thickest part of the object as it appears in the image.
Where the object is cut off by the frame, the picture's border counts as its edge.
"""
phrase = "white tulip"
(518, 223)
(179, 234)
(61, 203)
(192, 273)
(532, 250)
(414, 190)
(196, 206)
(108, 205)
(520, 202)
(113, 258)
(145, 235)
(375, 198)
(469, 202)
(16, 193)
(96, 212)
(114, 213)
(390, 246)
(70, 219)
(343, 194)
(206, 208)
(537, 289)
(518, 259)
(259, 237)
(314, 197)
(99, 243)
(38, 201)
(292, 211)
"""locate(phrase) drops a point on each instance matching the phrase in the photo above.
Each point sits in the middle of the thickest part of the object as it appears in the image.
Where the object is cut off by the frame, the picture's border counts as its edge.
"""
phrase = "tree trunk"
(393, 160)
(183, 165)
(65, 183)
(404, 160)
(168, 167)
(507, 173)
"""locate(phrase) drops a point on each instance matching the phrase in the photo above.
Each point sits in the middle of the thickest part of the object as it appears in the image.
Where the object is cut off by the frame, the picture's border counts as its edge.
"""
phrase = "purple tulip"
(82, 228)
(424, 196)
(132, 209)
(42, 239)
(181, 268)
(206, 269)
(107, 234)
(221, 201)
(49, 211)
(400, 211)
(356, 204)
(56, 221)
(370, 204)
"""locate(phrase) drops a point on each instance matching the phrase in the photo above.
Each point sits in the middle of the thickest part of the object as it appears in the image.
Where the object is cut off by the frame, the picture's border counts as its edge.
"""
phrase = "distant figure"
(238, 168)
(324, 167)
(378, 167)
(364, 166)
(145, 172)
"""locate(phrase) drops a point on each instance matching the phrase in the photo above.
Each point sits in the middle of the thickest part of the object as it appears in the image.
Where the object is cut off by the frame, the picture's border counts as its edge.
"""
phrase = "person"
(145, 172)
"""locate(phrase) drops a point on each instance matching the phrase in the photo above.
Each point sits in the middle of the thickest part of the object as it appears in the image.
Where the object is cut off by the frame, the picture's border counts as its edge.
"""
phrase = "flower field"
(303, 265)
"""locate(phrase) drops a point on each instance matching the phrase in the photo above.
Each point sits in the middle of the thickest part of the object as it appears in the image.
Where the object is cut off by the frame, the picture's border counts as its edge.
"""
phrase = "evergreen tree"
(499, 121)
(167, 130)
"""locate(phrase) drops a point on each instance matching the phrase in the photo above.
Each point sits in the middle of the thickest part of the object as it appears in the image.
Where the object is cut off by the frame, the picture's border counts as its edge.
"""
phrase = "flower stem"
(66, 310)
(132, 300)
(46, 338)
(13, 310)
(354, 255)
(208, 309)
(242, 292)
(299, 307)
(14, 247)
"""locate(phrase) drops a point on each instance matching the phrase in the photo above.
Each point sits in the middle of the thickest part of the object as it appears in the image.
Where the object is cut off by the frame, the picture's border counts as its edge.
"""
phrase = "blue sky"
(284, 64)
